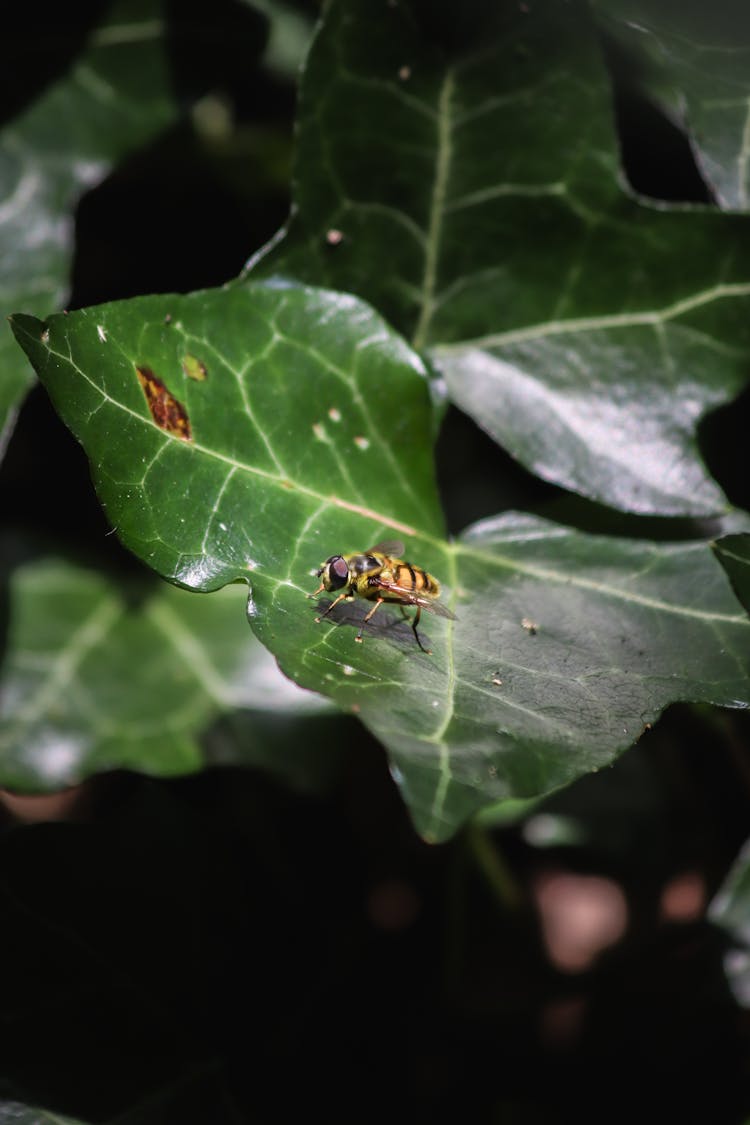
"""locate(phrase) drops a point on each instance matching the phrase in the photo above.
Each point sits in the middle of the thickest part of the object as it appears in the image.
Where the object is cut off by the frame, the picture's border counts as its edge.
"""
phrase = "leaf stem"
(493, 867)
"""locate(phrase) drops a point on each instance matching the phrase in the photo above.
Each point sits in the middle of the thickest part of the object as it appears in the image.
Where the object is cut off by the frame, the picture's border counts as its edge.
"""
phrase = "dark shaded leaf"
(115, 98)
(730, 911)
(733, 552)
(693, 61)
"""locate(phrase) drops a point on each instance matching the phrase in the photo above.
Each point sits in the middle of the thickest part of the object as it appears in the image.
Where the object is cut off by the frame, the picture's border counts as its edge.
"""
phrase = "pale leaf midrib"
(443, 158)
(641, 319)
(546, 574)
(62, 671)
(445, 774)
(253, 470)
(192, 653)
(493, 559)
(743, 157)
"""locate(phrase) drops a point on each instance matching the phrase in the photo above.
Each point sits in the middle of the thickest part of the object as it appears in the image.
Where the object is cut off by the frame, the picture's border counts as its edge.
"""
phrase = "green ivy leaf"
(733, 552)
(115, 98)
(309, 436)
(694, 62)
(309, 401)
(98, 676)
(472, 192)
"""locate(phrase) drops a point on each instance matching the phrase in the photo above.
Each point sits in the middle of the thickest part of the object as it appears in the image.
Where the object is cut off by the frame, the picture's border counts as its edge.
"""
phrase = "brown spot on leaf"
(194, 368)
(168, 413)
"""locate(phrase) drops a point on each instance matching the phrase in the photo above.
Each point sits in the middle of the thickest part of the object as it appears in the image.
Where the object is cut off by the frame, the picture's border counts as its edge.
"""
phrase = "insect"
(379, 575)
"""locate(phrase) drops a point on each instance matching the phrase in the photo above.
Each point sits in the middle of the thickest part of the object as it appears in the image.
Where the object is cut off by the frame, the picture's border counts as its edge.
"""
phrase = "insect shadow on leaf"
(388, 625)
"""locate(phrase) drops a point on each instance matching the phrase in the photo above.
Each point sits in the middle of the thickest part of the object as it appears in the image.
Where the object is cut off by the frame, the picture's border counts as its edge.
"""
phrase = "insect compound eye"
(338, 572)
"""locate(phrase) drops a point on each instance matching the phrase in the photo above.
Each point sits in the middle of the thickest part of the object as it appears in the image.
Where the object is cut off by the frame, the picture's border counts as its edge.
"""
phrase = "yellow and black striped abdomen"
(415, 580)
(381, 577)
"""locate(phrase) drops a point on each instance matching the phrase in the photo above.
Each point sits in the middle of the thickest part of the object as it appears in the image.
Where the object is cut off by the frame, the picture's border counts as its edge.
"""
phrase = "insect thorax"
(360, 564)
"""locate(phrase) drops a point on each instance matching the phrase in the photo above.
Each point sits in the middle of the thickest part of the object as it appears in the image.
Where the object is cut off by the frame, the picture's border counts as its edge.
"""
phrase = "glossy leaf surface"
(308, 437)
(114, 98)
(472, 192)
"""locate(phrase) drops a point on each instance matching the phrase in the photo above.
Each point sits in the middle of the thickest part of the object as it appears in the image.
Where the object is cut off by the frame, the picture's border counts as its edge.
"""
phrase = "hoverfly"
(379, 575)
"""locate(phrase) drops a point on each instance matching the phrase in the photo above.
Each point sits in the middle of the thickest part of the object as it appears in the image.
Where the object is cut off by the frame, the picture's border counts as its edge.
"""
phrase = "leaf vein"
(443, 159)
(597, 323)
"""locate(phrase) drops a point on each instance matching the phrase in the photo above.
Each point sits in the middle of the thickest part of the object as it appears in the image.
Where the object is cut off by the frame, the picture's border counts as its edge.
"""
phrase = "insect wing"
(438, 608)
(408, 597)
(392, 547)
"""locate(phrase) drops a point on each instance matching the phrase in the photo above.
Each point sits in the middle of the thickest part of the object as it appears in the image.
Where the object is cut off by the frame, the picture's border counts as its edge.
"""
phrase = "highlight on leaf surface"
(485, 213)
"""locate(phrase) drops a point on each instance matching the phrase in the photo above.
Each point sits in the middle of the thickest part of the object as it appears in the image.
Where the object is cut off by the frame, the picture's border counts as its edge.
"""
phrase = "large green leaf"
(300, 427)
(98, 676)
(693, 60)
(115, 97)
(472, 191)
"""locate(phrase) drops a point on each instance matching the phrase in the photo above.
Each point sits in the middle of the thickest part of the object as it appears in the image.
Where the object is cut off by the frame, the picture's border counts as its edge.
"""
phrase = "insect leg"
(379, 602)
(331, 606)
(414, 624)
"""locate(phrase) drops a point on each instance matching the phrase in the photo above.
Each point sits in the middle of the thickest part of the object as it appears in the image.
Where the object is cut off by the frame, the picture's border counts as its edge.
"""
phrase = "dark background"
(221, 949)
